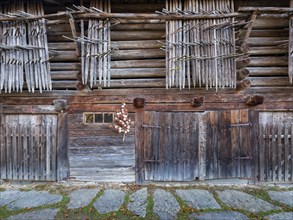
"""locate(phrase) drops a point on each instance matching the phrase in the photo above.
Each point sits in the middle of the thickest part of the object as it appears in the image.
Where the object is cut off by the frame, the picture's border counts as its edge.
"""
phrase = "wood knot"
(255, 100)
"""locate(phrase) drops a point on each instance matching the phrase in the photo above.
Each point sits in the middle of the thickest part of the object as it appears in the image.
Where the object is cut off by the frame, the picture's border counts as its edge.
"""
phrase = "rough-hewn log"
(242, 85)
(255, 100)
(241, 63)
(266, 41)
(137, 54)
(134, 8)
(136, 35)
(270, 81)
(267, 51)
(197, 102)
(268, 71)
(138, 73)
(242, 74)
(265, 9)
(143, 44)
(268, 61)
(138, 27)
(151, 63)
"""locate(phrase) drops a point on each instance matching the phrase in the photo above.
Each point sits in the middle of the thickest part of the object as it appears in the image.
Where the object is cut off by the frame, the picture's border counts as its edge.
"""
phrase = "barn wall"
(138, 70)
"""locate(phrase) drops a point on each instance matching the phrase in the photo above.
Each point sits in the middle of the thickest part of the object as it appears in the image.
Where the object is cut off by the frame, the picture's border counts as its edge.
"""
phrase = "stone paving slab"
(283, 197)
(81, 198)
(110, 201)
(241, 200)
(9, 196)
(138, 202)
(198, 199)
(31, 199)
(280, 216)
(223, 215)
(165, 205)
(45, 214)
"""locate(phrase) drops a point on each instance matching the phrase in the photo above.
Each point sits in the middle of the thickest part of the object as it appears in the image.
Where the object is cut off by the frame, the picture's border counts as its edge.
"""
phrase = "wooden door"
(171, 146)
(276, 146)
(28, 147)
(232, 144)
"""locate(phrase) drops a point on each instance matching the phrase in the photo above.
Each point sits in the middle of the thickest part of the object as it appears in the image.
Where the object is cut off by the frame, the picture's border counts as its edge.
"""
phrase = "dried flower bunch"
(122, 120)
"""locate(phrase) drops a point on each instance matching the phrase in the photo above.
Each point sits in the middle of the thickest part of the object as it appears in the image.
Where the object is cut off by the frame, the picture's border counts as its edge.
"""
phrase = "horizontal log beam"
(265, 9)
(267, 51)
(268, 61)
(141, 16)
(268, 71)
(138, 73)
(266, 41)
(138, 44)
(135, 27)
(137, 35)
(269, 81)
(150, 63)
(137, 54)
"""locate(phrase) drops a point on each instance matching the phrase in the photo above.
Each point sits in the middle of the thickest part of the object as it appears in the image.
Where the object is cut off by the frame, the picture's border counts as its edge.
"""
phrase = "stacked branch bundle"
(23, 49)
(200, 52)
(95, 45)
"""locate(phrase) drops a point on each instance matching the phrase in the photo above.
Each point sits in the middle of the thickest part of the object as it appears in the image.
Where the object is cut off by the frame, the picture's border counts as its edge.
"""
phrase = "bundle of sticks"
(24, 49)
(95, 45)
(200, 51)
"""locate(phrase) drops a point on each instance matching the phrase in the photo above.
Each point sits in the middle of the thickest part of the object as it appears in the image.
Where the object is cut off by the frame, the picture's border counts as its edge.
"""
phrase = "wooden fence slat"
(14, 149)
(262, 140)
(168, 153)
(292, 152)
(20, 148)
(280, 147)
(162, 147)
(155, 145)
(286, 152)
(54, 149)
(235, 143)
(274, 152)
(267, 152)
(31, 149)
(25, 149)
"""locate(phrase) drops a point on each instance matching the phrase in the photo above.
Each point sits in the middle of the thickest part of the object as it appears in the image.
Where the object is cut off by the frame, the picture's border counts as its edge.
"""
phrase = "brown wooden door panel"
(171, 146)
(28, 147)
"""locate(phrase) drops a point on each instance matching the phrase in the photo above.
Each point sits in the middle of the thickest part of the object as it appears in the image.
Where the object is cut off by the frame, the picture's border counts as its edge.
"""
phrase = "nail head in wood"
(139, 102)
(197, 101)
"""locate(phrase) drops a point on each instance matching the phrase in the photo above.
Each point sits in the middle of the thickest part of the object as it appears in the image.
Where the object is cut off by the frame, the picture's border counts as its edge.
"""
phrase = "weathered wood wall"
(141, 66)
(97, 152)
(28, 147)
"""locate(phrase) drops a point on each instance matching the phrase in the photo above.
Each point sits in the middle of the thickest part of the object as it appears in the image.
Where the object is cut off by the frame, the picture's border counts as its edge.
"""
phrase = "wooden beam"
(242, 85)
(266, 9)
(141, 16)
(242, 74)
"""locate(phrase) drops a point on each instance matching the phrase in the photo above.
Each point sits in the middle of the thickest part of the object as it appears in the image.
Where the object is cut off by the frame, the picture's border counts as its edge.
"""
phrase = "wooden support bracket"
(60, 105)
(197, 101)
(139, 102)
(255, 100)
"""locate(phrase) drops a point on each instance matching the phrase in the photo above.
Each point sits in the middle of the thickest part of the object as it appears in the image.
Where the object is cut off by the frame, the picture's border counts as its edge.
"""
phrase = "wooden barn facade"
(207, 87)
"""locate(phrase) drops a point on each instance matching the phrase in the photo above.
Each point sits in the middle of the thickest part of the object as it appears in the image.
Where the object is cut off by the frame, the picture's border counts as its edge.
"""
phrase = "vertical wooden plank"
(245, 164)
(162, 147)
(147, 120)
(188, 146)
(3, 146)
(48, 133)
(9, 146)
(235, 114)
(155, 145)
(268, 145)
(62, 148)
(31, 148)
(54, 148)
(262, 141)
(168, 150)
(20, 147)
(225, 144)
(173, 146)
(286, 152)
(209, 147)
(139, 144)
(274, 151)
(194, 147)
(254, 143)
(179, 156)
(14, 152)
(280, 150)
(291, 146)
(25, 148)
(202, 147)
(36, 142)
(41, 145)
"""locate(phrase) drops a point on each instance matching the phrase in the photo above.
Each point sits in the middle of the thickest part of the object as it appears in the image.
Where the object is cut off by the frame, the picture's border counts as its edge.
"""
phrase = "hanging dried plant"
(122, 120)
